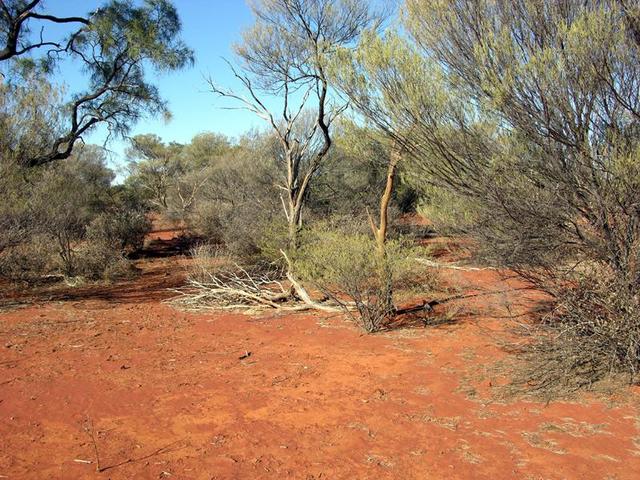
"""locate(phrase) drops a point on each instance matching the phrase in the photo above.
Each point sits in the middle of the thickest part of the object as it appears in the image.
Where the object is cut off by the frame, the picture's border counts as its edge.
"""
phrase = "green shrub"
(29, 261)
(102, 254)
(123, 229)
(347, 268)
(100, 261)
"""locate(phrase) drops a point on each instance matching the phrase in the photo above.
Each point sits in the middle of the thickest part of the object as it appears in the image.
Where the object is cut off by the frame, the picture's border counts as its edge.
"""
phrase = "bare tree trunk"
(295, 213)
(380, 231)
(380, 235)
(294, 219)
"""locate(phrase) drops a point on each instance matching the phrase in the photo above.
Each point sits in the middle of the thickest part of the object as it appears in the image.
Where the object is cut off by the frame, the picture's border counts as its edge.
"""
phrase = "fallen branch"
(301, 292)
(162, 450)
(89, 429)
(304, 296)
(11, 380)
(239, 288)
(232, 289)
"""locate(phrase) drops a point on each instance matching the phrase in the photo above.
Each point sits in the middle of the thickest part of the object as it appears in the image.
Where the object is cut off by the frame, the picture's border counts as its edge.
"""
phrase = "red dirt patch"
(163, 394)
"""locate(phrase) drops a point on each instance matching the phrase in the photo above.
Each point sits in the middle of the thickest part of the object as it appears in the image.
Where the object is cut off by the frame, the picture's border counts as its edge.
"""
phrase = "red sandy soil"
(112, 377)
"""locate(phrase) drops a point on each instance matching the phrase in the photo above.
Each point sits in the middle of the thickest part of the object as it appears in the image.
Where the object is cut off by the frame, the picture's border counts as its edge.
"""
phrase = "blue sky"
(210, 27)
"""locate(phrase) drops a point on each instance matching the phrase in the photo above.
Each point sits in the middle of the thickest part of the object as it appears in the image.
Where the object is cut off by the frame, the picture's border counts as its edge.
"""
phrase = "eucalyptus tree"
(114, 46)
(286, 54)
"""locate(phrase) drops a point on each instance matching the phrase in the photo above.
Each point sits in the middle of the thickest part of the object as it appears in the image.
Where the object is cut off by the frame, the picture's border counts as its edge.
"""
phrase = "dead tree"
(286, 54)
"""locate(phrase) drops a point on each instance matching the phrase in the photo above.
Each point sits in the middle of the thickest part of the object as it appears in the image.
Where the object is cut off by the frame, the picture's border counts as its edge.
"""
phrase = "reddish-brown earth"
(112, 377)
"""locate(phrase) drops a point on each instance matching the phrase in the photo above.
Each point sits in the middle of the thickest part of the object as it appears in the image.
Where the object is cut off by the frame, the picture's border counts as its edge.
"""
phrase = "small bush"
(29, 261)
(245, 231)
(273, 240)
(100, 261)
(207, 220)
(591, 335)
(123, 229)
(346, 267)
(102, 254)
(66, 218)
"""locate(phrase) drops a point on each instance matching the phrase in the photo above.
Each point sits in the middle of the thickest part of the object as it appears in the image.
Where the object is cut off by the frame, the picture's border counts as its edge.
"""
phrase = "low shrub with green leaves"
(107, 239)
(347, 268)
(122, 228)
(29, 261)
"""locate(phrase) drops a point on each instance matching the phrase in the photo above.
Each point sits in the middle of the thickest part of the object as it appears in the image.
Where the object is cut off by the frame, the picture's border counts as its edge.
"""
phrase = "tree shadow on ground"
(525, 305)
(420, 320)
(164, 248)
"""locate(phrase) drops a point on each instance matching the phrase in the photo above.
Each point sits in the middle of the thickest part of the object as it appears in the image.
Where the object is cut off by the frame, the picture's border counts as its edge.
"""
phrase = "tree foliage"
(172, 176)
(521, 119)
(65, 218)
(113, 46)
